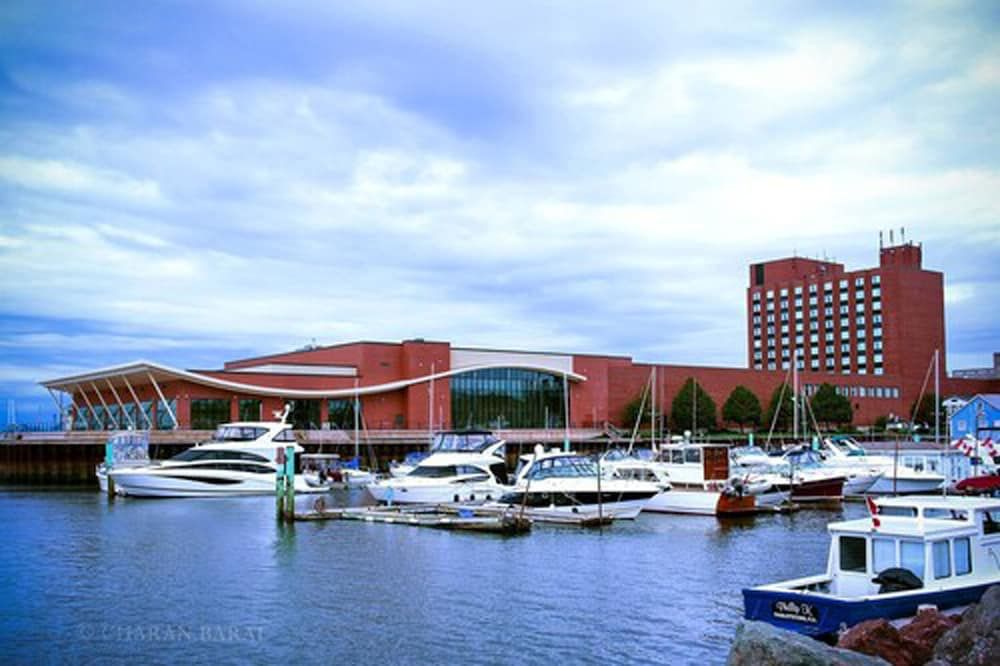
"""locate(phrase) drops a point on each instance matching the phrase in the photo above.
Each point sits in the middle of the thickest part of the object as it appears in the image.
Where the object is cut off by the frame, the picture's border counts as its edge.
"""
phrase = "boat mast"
(795, 398)
(653, 413)
(694, 407)
(937, 418)
(357, 404)
(430, 409)
(566, 412)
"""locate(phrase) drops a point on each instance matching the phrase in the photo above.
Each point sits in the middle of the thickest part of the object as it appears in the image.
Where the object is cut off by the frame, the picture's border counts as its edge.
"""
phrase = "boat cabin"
(696, 464)
(941, 542)
(464, 441)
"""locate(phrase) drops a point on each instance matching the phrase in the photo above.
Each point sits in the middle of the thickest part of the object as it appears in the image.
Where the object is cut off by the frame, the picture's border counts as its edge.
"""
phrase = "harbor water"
(84, 580)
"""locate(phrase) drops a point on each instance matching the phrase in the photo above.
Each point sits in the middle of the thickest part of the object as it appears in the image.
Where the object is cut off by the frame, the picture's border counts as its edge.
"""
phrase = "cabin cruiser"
(896, 478)
(240, 459)
(911, 551)
(462, 467)
(797, 477)
(699, 478)
(563, 482)
(328, 470)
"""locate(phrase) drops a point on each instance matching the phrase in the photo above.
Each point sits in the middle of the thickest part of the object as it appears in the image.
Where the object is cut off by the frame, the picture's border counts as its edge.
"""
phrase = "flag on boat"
(873, 510)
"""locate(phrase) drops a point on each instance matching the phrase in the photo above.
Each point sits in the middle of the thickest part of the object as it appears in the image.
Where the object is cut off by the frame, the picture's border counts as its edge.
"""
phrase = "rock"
(879, 638)
(923, 633)
(976, 639)
(760, 644)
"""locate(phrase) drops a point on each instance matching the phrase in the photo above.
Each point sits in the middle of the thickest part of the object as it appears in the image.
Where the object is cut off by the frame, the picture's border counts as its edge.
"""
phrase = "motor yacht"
(563, 482)
(462, 467)
(910, 551)
(897, 478)
(240, 459)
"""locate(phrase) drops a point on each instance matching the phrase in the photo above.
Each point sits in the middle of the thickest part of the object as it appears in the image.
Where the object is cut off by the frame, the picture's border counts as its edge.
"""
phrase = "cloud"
(596, 183)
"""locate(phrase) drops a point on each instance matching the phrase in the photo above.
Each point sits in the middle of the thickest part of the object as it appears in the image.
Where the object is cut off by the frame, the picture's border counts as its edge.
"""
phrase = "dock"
(470, 519)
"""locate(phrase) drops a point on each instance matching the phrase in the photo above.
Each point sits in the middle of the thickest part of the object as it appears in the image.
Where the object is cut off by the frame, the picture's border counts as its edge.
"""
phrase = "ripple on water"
(662, 588)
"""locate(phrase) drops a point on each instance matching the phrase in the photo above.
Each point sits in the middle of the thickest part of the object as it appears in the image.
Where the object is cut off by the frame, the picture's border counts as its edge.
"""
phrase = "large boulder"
(879, 638)
(924, 631)
(760, 644)
(976, 639)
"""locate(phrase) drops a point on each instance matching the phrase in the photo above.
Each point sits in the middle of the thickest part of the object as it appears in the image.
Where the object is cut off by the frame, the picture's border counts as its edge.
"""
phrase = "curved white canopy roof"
(162, 373)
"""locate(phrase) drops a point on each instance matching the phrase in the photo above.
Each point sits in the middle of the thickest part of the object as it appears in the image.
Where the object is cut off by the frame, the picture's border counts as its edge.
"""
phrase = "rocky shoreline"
(932, 638)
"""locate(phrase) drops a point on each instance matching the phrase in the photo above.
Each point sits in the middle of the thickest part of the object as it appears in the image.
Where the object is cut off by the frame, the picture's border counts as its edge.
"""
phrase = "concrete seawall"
(66, 458)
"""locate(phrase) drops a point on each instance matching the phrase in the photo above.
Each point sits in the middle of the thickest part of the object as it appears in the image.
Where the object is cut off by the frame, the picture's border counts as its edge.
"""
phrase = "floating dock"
(470, 519)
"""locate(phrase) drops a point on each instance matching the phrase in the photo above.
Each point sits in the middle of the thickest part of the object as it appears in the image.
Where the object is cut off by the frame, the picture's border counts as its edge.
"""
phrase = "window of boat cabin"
(676, 456)
(883, 554)
(963, 556)
(692, 455)
(286, 435)
(991, 522)
(474, 473)
(941, 552)
(852, 554)
(911, 556)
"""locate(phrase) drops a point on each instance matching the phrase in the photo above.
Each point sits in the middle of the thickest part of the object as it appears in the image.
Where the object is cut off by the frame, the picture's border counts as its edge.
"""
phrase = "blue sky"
(193, 182)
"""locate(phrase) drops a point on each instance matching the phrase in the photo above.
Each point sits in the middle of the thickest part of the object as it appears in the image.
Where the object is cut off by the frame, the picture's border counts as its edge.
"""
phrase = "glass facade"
(207, 413)
(341, 413)
(507, 398)
(163, 420)
(304, 414)
(249, 410)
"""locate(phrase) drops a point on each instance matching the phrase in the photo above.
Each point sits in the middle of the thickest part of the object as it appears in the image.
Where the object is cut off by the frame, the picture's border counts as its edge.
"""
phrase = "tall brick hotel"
(871, 333)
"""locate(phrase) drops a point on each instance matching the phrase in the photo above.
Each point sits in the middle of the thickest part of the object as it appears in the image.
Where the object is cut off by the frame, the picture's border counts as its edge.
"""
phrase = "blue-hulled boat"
(911, 551)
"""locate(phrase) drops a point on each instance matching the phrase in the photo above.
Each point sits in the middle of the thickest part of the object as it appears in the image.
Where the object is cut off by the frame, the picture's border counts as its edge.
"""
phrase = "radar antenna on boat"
(282, 415)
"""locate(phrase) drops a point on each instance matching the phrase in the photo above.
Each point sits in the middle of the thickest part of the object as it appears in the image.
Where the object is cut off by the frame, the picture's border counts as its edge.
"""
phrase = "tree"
(680, 409)
(784, 409)
(829, 407)
(924, 412)
(742, 407)
(630, 414)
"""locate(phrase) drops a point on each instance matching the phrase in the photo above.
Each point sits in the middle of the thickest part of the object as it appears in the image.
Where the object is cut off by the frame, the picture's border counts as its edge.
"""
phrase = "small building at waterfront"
(979, 417)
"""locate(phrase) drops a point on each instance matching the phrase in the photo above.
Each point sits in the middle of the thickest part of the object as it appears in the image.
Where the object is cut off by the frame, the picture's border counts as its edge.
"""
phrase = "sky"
(191, 182)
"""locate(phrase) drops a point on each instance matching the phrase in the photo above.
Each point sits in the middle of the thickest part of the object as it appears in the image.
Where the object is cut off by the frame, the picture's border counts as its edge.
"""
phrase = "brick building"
(871, 333)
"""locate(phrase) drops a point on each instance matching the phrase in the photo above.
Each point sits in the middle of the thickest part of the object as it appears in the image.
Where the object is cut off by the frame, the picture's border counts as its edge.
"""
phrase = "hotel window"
(756, 356)
(770, 330)
(828, 312)
(843, 285)
(859, 282)
(877, 332)
(784, 365)
(876, 279)
(756, 319)
(756, 344)
(784, 341)
(785, 353)
(798, 341)
(801, 364)
(829, 350)
(770, 353)
(845, 334)
(845, 309)
(756, 332)
(813, 288)
(798, 315)
(876, 319)
(814, 338)
(784, 292)
(756, 296)
(860, 333)
(798, 302)
(877, 305)
(862, 360)
(845, 322)
(829, 337)
(784, 328)
(756, 307)
(829, 363)
(860, 321)
(770, 294)
(770, 319)
(828, 299)
(813, 364)
(878, 370)
(878, 359)
(784, 316)
(859, 307)
(813, 325)
(798, 290)
(876, 293)
(814, 352)
(770, 306)
(861, 345)
(845, 347)
(828, 325)
(827, 286)
(771, 366)
(813, 300)
(798, 327)
(757, 366)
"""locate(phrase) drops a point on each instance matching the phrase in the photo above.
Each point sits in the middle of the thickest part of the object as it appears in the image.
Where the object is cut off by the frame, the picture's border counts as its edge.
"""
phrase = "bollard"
(279, 482)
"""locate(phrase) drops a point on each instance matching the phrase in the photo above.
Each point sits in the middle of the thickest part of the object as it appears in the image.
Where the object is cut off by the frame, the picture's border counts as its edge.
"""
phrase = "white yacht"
(561, 482)
(909, 552)
(127, 448)
(896, 478)
(462, 467)
(238, 460)
(329, 470)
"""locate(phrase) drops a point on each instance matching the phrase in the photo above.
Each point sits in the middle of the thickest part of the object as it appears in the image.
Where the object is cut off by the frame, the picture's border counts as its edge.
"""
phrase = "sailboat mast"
(694, 407)
(653, 413)
(795, 399)
(430, 409)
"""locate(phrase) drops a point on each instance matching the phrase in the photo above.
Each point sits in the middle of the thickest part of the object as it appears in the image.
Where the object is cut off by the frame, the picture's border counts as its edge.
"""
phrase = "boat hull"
(819, 490)
(819, 615)
(151, 484)
(905, 486)
(433, 493)
(701, 503)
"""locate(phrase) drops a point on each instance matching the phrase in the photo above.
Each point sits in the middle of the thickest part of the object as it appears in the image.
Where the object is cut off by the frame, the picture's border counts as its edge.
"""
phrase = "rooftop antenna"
(902, 235)
(881, 244)
(891, 242)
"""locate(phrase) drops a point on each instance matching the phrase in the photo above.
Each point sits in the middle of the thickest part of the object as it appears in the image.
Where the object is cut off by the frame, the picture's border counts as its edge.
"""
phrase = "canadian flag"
(873, 510)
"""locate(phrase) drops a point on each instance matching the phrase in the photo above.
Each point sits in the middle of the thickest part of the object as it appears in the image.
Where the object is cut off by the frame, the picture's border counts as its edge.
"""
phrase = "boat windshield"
(805, 458)
(237, 434)
(474, 442)
(614, 455)
(563, 467)
(200, 454)
(643, 454)
(444, 471)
